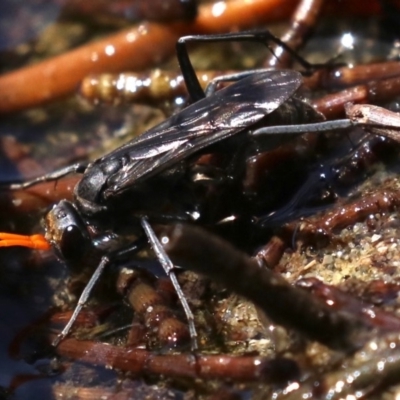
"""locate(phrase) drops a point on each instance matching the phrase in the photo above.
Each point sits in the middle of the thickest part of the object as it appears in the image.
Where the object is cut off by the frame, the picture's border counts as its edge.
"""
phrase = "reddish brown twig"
(302, 23)
(344, 215)
(141, 47)
(138, 361)
(332, 105)
(202, 252)
(37, 196)
(270, 254)
(340, 300)
(342, 77)
(153, 307)
(148, 88)
(133, 49)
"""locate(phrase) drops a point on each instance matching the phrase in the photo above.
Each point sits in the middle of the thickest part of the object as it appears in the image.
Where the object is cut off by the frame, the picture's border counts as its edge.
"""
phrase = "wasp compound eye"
(73, 243)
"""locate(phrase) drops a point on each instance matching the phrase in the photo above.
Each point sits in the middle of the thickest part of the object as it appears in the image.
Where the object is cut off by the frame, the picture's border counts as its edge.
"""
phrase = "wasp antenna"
(37, 241)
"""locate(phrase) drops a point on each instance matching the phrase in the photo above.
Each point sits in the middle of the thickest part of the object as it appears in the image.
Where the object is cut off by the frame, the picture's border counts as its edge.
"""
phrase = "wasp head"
(66, 231)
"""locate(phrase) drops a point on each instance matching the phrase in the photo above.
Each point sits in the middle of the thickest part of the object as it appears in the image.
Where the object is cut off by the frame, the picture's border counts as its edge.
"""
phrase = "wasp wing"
(214, 118)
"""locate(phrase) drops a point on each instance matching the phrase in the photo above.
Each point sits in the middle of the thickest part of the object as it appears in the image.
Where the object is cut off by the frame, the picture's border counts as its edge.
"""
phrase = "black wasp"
(119, 191)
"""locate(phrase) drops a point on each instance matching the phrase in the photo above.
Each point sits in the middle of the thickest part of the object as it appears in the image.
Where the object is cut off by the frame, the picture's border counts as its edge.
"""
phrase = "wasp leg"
(169, 270)
(105, 260)
(192, 83)
(78, 168)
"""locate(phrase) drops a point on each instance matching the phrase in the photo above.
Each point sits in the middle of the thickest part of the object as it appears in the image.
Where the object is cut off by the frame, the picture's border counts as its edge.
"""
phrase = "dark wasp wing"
(221, 115)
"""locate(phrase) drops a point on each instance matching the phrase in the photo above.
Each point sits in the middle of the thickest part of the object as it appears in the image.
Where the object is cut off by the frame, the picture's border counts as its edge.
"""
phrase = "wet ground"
(337, 239)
